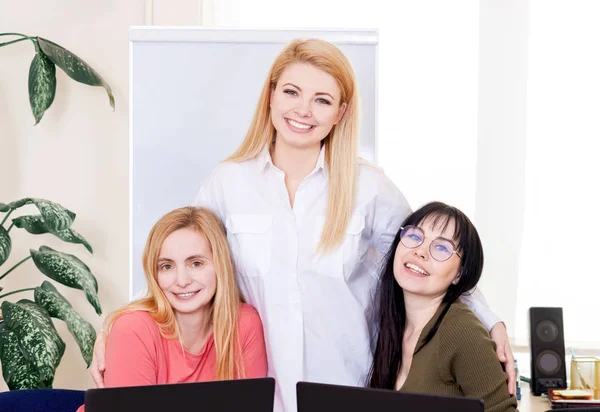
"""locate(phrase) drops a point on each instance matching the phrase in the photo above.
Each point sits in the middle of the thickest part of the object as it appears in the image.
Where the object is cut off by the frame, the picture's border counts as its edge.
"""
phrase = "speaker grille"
(549, 362)
(547, 331)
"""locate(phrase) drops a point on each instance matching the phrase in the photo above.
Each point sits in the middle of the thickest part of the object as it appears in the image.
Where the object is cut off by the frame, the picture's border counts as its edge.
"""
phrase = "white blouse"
(316, 310)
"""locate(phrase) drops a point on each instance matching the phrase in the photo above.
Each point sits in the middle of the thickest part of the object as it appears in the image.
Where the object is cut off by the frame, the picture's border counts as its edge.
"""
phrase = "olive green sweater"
(460, 360)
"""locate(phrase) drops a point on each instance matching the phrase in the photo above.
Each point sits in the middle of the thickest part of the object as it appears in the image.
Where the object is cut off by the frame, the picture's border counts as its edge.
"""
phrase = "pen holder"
(585, 374)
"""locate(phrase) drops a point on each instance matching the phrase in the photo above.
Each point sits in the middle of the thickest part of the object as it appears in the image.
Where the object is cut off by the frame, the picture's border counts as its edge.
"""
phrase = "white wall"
(77, 155)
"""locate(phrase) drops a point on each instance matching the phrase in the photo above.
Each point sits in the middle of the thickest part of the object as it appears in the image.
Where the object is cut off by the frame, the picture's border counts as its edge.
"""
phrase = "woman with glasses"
(430, 342)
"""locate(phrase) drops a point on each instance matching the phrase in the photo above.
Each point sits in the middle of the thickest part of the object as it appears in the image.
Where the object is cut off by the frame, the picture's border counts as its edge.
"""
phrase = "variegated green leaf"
(38, 337)
(17, 371)
(58, 307)
(68, 270)
(42, 84)
(4, 208)
(75, 67)
(71, 236)
(55, 216)
(5, 245)
(34, 224)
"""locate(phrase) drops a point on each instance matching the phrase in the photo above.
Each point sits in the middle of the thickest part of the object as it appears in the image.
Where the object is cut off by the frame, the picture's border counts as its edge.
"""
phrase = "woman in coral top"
(192, 326)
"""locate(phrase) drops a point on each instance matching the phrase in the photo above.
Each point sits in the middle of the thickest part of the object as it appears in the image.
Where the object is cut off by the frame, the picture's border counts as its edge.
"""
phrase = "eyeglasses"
(440, 249)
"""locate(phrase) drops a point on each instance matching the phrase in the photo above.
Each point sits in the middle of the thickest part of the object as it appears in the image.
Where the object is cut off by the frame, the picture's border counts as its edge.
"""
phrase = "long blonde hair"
(341, 145)
(226, 302)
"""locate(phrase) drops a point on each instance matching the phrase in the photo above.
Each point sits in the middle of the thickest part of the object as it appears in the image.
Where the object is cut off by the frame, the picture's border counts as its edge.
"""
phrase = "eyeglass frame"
(430, 243)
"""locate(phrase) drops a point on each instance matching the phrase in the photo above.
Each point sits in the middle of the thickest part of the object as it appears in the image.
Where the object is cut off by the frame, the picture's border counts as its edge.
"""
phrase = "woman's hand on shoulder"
(98, 366)
(499, 335)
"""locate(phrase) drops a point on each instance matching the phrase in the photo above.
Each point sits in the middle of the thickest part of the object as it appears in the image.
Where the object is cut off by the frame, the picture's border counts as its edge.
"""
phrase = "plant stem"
(14, 267)
(13, 34)
(7, 215)
(14, 41)
(16, 291)
(10, 227)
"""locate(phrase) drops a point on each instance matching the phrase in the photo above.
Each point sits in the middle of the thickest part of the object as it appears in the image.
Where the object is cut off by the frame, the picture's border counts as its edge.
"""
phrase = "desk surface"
(530, 403)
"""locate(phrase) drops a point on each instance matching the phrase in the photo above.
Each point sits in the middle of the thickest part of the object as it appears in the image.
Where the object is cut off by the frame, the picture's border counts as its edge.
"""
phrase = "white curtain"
(560, 256)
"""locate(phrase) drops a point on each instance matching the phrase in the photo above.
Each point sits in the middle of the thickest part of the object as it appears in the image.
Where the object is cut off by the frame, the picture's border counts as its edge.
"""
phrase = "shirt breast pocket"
(341, 261)
(250, 239)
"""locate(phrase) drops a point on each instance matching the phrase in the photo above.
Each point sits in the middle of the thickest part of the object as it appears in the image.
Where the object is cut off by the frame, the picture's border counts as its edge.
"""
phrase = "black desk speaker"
(547, 343)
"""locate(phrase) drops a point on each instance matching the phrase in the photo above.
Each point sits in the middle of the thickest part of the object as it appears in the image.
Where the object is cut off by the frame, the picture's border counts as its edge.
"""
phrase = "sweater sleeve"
(468, 358)
(131, 351)
(254, 353)
(476, 301)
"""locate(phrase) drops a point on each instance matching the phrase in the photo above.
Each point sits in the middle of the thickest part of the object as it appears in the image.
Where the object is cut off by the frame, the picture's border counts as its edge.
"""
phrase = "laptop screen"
(315, 397)
(248, 395)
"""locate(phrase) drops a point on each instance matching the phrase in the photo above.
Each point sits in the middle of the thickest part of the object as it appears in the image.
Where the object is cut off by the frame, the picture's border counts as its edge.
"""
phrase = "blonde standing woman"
(308, 222)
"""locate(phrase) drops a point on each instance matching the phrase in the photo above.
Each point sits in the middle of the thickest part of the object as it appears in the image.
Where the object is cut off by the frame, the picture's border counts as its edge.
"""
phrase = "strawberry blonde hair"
(226, 302)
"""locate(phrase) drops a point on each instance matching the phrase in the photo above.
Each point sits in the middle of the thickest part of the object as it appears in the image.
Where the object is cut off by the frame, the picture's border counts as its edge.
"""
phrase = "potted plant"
(30, 346)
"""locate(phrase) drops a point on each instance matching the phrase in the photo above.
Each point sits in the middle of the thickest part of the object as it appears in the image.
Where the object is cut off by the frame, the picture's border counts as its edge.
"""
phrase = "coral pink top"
(137, 354)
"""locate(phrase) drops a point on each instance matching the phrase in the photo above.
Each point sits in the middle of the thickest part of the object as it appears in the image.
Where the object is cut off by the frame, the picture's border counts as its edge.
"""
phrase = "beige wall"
(78, 154)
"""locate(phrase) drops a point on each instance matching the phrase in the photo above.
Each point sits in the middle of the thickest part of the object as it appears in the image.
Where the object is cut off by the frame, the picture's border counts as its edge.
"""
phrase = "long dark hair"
(391, 318)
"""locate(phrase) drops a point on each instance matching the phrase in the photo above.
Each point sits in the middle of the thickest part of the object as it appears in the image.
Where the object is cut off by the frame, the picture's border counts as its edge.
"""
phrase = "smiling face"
(186, 274)
(417, 272)
(305, 105)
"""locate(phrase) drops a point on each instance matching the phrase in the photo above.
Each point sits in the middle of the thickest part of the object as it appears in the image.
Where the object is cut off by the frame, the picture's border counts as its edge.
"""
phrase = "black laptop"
(248, 395)
(317, 397)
